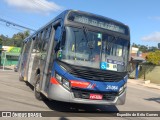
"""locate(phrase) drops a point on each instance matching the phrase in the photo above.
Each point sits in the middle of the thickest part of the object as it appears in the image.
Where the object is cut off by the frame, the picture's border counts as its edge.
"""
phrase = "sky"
(142, 16)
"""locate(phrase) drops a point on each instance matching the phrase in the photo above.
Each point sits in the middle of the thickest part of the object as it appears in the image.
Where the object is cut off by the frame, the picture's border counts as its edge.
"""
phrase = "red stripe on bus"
(79, 84)
(53, 80)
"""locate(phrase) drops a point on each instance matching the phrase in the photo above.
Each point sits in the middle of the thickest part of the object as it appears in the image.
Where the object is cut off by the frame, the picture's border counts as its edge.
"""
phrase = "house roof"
(137, 59)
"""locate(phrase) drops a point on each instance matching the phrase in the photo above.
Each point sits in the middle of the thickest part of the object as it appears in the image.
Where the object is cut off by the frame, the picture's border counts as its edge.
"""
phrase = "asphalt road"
(19, 96)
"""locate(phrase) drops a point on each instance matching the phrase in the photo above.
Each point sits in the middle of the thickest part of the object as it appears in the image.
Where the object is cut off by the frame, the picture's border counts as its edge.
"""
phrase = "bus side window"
(57, 38)
(34, 49)
(48, 32)
(45, 42)
(46, 39)
(36, 44)
(40, 40)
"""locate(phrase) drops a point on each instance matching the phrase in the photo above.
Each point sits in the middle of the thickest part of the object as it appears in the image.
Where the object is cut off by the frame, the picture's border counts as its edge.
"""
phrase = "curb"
(144, 83)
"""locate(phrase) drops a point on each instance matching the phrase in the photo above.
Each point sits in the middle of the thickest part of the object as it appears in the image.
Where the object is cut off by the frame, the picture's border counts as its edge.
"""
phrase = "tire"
(37, 92)
(21, 78)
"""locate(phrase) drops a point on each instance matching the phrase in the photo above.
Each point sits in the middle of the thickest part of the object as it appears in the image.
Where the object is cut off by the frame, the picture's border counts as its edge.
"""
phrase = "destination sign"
(97, 22)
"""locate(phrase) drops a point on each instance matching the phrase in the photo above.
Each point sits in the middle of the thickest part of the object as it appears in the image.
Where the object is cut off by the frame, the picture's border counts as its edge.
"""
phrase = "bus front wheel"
(37, 92)
(21, 78)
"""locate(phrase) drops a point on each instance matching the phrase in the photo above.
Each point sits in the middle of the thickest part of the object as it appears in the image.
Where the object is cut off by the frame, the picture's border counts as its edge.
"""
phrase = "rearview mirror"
(58, 33)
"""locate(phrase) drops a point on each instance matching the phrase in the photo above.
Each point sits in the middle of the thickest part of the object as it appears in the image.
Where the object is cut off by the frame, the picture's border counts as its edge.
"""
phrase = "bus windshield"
(87, 48)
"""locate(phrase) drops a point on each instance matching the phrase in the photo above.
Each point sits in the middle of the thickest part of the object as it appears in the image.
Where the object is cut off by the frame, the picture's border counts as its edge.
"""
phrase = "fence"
(150, 72)
(8, 62)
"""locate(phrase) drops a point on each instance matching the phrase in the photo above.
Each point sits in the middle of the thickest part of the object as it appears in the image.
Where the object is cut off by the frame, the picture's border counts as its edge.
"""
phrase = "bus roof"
(101, 16)
(66, 12)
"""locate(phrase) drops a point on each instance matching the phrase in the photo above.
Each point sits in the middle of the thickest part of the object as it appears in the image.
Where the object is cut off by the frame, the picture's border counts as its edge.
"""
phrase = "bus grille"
(110, 96)
(92, 73)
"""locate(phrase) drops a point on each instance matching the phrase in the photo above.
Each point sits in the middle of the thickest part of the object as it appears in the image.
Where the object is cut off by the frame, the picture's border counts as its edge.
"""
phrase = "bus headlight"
(122, 88)
(126, 78)
(66, 84)
(58, 77)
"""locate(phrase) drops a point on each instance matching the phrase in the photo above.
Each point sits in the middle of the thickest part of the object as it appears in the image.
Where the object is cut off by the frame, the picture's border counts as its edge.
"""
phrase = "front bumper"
(59, 93)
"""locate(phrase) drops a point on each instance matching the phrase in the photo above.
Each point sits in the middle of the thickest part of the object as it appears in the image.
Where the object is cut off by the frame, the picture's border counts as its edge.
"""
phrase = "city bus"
(78, 57)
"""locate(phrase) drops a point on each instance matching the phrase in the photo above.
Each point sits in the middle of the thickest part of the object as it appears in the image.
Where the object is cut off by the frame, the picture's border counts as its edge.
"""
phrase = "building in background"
(0, 52)
(10, 55)
(136, 58)
(158, 45)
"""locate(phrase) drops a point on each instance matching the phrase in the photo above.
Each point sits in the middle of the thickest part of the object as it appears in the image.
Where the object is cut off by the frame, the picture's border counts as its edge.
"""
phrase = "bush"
(154, 57)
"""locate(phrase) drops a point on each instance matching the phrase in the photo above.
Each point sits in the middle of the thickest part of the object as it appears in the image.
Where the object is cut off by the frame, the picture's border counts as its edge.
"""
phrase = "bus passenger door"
(49, 60)
(24, 70)
(33, 61)
(45, 57)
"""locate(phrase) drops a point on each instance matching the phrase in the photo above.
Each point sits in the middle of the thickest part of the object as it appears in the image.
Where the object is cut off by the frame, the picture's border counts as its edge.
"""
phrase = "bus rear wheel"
(37, 92)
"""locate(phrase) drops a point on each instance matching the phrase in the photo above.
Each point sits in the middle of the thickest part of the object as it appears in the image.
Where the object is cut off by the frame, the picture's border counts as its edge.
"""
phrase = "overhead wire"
(11, 27)
(36, 3)
(15, 24)
(11, 17)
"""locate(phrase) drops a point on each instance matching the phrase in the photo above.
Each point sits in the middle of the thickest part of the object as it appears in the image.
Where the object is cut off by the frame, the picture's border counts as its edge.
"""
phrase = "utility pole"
(0, 50)
(159, 46)
(4, 54)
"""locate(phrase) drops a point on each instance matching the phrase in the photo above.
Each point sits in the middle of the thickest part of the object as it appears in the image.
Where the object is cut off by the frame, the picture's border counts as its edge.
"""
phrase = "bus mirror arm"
(49, 72)
(42, 56)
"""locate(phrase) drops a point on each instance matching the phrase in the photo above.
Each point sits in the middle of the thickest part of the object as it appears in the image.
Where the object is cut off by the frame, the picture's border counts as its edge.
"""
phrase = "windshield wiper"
(109, 43)
(90, 43)
(85, 31)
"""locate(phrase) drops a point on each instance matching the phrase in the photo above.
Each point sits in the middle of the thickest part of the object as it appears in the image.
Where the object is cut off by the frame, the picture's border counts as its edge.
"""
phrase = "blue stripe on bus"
(99, 85)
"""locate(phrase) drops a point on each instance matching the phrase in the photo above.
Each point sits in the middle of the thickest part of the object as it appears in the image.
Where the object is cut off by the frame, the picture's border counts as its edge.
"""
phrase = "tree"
(143, 48)
(1, 41)
(6, 41)
(19, 37)
(134, 45)
(154, 57)
(16, 39)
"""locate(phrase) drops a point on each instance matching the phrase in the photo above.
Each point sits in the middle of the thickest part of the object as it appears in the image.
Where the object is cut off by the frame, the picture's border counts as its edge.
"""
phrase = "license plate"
(95, 97)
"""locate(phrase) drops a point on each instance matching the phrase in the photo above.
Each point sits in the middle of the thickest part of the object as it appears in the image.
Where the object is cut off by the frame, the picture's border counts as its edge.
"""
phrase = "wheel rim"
(37, 87)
